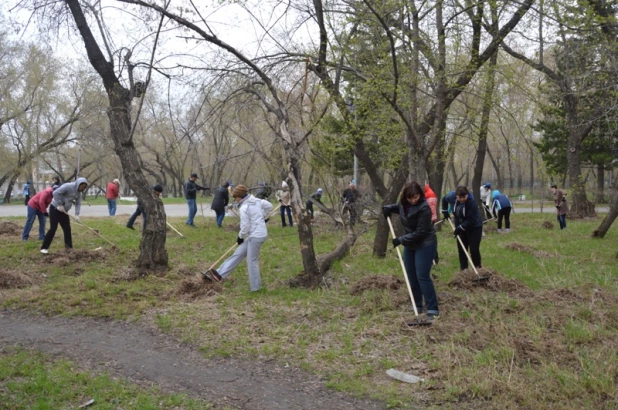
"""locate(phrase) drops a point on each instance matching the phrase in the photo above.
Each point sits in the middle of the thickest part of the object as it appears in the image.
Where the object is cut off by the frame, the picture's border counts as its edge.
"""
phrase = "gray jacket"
(65, 195)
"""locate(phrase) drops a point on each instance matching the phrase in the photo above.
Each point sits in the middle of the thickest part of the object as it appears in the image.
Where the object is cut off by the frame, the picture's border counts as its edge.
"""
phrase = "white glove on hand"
(76, 218)
(60, 208)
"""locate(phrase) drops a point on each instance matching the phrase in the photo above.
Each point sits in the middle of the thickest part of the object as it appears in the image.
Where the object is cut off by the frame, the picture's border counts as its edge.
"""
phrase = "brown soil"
(548, 225)
(15, 280)
(490, 228)
(10, 229)
(376, 282)
(76, 255)
(467, 280)
(195, 287)
(524, 248)
(231, 228)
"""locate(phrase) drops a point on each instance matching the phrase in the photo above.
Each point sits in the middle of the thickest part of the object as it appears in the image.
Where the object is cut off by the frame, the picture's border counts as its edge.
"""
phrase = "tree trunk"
(610, 218)
(600, 197)
(153, 254)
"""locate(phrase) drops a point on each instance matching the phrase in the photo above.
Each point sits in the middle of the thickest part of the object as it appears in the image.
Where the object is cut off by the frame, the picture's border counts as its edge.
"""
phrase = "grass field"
(545, 335)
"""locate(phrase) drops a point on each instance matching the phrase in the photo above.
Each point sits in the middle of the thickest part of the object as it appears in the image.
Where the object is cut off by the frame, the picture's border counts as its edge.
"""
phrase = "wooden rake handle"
(403, 267)
(223, 256)
(93, 231)
(175, 230)
(464, 249)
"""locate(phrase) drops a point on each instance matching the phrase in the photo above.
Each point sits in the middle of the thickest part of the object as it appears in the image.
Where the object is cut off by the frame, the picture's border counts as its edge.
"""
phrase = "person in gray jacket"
(420, 244)
(58, 211)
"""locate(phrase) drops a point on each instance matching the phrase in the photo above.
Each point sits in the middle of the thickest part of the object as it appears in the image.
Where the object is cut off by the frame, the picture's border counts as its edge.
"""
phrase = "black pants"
(472, 242)
(55, 218)
(309, 206)
(506, 214)
(139, 211)
(487, 212)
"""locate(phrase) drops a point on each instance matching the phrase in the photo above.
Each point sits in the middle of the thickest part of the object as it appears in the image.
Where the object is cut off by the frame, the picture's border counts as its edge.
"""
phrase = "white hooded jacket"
(68, 192)
(253, 211)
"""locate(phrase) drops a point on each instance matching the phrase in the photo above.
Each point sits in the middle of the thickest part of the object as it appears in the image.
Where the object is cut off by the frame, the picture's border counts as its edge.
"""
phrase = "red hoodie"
(41, 200)
(112, 191)
(432, 200)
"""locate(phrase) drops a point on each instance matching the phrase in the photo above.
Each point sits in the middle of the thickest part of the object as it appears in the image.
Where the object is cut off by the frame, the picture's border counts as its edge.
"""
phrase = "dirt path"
(142, 355)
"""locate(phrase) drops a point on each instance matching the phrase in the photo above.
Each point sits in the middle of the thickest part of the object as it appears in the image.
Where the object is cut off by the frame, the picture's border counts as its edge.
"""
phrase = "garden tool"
(418, 321)
(205, 274)
(175, 230)
(93, 230)
(479, 278)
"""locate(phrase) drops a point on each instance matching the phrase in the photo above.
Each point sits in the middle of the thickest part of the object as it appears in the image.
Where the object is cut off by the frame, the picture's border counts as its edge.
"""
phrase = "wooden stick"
(403, 267)
(175, 230)
(94, 231)
(464, 249)
(223, 256)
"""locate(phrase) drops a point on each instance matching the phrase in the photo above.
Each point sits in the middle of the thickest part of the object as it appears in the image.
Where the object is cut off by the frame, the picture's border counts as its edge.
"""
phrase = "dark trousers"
(418, 267)
(487, 212)
(139, 211)
(506, 214)
(282, 211)
(309, 206)
(472, 242)
(55, 218)
(562, 221)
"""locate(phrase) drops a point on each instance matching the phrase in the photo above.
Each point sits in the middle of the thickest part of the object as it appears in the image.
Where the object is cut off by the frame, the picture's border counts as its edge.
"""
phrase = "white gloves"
(60, 208)
(76, 218)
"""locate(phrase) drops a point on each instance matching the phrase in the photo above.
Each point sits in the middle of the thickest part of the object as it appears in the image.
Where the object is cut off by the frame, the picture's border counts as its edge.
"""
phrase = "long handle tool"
(418, 321)
(204, 275)
(479, 278)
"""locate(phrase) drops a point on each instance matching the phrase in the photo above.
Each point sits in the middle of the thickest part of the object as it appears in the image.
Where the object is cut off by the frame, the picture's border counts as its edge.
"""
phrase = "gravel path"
(143, 355)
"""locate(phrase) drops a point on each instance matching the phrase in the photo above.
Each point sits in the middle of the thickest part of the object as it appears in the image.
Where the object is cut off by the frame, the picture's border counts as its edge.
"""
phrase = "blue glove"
(239, 240)
(458, 231)
(396, 242)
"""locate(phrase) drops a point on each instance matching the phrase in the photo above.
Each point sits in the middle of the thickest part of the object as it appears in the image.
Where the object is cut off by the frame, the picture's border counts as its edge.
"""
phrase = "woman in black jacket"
(468, 226)
(220, 201)
(420, 244)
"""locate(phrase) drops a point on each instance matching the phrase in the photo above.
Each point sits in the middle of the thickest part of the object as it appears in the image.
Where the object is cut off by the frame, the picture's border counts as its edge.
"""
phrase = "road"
(181, 210)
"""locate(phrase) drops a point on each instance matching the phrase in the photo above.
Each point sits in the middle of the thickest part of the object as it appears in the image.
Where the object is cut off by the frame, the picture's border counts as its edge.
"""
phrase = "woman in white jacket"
(252, 235)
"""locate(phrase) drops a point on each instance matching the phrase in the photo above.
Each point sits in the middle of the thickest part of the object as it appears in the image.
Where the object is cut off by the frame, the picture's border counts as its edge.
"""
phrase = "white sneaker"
(499, 230)
(44, 251)
(507, 231)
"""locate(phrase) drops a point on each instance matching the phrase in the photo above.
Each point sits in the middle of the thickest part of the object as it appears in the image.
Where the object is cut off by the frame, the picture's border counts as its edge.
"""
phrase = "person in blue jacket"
(503, 205)
(468, 226)
(419, 245)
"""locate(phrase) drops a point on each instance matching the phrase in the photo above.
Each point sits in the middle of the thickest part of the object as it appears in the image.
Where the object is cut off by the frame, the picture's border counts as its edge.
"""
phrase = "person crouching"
(252, 235)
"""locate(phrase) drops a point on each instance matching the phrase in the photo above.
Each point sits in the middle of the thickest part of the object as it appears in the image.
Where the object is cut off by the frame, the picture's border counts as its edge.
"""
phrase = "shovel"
(479, 278)
(418, 321)
(204, 275)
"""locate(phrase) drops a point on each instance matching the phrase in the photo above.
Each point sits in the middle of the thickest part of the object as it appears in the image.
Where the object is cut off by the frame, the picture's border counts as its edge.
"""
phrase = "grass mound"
(194, 287)
(15, 280)
(76, 255)
(548, 225)
(376, 282)
(524, 248)
(10, 229)
(468, 280)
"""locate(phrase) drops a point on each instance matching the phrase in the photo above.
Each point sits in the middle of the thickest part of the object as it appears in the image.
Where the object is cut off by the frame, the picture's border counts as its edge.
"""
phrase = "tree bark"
(153, 254)
(610, 218)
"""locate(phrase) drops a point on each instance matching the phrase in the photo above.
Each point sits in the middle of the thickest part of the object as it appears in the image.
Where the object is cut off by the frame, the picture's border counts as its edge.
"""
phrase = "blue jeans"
(139, 211)
(192, 211)
(282, 211)
(220, 216)
(418, 267)
(32, 214)
(111, 207)
(562, 221)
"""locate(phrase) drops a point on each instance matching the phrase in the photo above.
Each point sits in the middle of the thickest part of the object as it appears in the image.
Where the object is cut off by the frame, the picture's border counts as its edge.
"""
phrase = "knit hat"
(320, 190)
(116, 181)
(239, 191)
(157, 188)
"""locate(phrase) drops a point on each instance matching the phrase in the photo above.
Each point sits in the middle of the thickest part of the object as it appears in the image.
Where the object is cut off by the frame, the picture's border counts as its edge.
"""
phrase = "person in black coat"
(468, 226)
(191, 189)
(420, 244)
(220, 201)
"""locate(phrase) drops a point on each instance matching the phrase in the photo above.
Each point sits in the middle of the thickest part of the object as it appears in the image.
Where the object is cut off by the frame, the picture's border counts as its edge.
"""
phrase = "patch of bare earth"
(527, 249)
(16, 280)
(194, 287)
(488, 280)
(10, 229)
(548, 225)
(398, 293)
(74, 256)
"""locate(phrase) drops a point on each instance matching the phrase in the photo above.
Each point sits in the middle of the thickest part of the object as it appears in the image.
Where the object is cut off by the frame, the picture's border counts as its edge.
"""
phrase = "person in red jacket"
(37, 207)
(432, 200)
(112, 194)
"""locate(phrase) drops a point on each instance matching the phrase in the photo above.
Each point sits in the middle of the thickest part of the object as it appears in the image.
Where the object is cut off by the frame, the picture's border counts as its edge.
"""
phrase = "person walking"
(468, 226)
(562, 208)
(140, 210)
(37, 207)
(503, 205)
(111, 194)
(220, 201)
(191, 189)
(284, 197)
(419, 245)
(27, 192)
(486, 199)
(61, 203)
(316, 196)
(349, 197)
(252, 235)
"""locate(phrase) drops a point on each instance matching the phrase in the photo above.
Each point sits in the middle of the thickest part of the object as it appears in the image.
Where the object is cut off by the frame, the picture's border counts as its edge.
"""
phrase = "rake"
(479, 278)
(204, 275)
(418, 321)
(175, 230)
